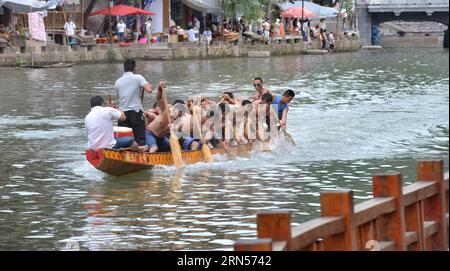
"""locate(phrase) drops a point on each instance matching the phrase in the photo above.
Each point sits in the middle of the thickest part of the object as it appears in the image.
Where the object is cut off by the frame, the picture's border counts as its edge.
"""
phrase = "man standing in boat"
(129, 89)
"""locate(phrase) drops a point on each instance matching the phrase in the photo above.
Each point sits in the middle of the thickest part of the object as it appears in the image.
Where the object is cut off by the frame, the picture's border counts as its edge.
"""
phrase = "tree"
(246, 8)
(348, 4)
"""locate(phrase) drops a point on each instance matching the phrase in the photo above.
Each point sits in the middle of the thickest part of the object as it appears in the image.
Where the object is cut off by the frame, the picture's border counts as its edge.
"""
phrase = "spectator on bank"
(148, 30)
(69, 28)
(331, 42)
(207, 36)
(277, 29)
(121, 26)
(192, 34)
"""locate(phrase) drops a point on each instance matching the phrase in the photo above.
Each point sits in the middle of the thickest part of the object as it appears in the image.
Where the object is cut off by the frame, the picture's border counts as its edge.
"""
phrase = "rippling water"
(355, 115)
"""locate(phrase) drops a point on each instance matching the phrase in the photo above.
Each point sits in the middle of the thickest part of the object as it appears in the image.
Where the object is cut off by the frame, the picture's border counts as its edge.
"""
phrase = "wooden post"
(339, 203)
(275, 225)
(434, 208)
(253, 245)
(82, 14)
(109, 23)
(414, 223)
(390, 185)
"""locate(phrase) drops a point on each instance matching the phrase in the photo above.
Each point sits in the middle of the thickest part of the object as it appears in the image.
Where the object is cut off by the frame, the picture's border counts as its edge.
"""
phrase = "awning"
(28, 6)
(195, 4)
(206, 6)
(121, 10)
(320, 11)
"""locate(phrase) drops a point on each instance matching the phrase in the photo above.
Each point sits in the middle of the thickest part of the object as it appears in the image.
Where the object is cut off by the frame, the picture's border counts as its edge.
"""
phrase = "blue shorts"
(163, 144)
(123, 143)
(187, 143)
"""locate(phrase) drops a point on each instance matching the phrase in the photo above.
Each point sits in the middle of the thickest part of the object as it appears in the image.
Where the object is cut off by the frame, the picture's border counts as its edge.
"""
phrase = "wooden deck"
(414, 218)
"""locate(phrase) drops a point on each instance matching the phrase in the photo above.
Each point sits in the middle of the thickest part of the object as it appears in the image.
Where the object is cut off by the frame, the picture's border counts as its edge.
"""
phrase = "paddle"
(142, 101)
(174, 143)
(206, 151)
(289, 137)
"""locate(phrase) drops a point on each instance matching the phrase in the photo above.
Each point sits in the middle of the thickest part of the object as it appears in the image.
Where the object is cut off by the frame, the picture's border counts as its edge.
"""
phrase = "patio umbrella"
(297, 12)
(319, 11)
(121, 10)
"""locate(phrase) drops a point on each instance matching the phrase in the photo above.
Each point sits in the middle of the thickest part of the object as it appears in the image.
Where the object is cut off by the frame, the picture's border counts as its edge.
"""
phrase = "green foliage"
(111, 53)
(21, 61)
(252, 9)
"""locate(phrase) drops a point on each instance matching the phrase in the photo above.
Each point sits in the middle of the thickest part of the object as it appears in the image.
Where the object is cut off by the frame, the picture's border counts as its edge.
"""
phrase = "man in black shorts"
(128, 89)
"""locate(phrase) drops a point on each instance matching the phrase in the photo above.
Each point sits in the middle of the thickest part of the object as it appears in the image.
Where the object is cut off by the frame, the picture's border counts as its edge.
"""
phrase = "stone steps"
(317, 52)
(258, 54)
(371, 47)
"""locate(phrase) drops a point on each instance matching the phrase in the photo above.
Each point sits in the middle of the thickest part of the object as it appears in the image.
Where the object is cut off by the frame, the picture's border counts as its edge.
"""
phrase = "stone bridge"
(374, 12)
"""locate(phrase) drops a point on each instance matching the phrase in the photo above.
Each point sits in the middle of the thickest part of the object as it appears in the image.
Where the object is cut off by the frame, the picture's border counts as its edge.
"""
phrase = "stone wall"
(413, 41)
(104, 53)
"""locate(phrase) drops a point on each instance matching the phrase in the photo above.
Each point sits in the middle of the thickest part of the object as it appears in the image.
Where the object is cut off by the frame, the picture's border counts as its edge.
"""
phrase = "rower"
(159, 128)
(258, 83)
(99, 124)
(282, 102)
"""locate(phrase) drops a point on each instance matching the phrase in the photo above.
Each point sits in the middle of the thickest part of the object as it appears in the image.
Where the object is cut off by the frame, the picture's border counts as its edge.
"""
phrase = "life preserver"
(120, 132)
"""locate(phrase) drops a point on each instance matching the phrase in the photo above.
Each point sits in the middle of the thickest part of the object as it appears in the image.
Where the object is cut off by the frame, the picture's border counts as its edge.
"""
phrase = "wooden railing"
(54, 20)
(413, 218)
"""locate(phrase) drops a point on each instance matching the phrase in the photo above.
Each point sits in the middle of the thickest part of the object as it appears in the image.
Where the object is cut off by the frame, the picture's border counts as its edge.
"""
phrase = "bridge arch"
(372, 13)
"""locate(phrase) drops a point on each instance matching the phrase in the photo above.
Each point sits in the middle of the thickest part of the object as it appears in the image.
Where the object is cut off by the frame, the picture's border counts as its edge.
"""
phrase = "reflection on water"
(355, 115)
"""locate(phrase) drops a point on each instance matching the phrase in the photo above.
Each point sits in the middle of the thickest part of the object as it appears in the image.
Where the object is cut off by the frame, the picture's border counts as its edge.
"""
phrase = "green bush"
(21, 61)
(112, 56)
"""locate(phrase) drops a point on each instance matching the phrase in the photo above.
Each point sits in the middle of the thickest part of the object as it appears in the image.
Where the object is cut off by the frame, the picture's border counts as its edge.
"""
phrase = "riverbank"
(45, 55)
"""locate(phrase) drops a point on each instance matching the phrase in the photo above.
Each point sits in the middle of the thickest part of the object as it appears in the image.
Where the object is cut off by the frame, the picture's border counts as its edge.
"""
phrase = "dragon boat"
(123, 162)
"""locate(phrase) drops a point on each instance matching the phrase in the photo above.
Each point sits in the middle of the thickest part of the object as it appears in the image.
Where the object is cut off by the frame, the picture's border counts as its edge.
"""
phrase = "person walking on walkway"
(129, 90)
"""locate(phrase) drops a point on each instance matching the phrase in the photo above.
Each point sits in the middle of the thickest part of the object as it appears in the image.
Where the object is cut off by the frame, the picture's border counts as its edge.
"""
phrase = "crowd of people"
(280, 28)
(232, 120)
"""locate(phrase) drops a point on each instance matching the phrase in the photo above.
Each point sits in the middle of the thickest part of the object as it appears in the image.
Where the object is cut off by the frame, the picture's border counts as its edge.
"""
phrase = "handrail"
(397, 218)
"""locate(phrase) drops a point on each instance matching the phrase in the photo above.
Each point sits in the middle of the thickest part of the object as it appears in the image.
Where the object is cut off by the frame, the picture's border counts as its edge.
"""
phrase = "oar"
(174, 143)
(142, 101)
(289, 137)
(206, 151)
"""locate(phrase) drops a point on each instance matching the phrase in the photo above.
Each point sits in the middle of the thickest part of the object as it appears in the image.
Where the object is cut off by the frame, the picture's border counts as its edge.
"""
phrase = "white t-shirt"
(148, 27)
(70, 28)
(128, 89)
(191, 35)
(121, 27)
(100, 127)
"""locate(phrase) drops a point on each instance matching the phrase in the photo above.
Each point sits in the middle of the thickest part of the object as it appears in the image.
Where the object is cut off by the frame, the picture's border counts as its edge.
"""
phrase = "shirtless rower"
(258, 83)
(158, 129)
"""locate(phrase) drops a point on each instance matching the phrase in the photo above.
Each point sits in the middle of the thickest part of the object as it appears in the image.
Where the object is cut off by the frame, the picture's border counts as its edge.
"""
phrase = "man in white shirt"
(121, 26)
(99, 125)
(207, 36)
(148, 30)
(69, 28)
(191, 34)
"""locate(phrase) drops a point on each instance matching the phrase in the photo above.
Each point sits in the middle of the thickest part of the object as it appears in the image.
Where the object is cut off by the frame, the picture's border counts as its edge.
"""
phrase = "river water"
(356, 114)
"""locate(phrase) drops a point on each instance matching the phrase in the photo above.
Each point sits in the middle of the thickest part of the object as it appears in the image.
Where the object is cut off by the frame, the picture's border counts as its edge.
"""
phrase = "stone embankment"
(42, 55)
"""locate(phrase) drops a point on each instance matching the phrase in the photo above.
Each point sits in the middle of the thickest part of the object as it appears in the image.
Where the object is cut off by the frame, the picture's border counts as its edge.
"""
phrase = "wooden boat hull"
(122, 162)
(55, 66)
